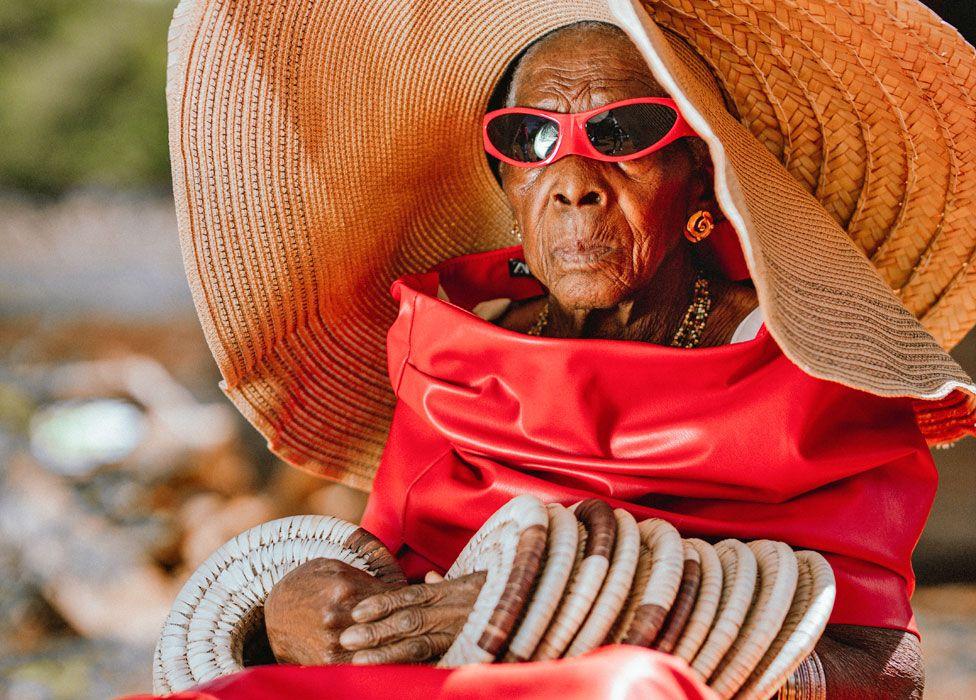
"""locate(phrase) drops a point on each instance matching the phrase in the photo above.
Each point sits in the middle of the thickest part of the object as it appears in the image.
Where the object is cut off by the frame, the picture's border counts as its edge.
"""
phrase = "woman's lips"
(581, 256)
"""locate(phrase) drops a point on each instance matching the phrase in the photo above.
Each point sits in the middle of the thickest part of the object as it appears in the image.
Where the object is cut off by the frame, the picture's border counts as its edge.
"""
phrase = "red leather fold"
(729, 441)
(619, 672)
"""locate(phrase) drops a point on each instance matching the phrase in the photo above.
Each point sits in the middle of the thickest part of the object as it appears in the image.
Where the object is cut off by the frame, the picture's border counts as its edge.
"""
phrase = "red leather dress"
(731, 441)
(728, 441)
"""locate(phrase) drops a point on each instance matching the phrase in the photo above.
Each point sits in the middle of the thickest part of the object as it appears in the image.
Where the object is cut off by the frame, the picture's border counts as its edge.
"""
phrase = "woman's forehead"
(581, 69)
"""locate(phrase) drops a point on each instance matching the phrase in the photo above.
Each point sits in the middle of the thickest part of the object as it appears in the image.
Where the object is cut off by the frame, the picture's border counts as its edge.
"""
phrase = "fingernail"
(362, 658)
(361, 613)
(351, 638)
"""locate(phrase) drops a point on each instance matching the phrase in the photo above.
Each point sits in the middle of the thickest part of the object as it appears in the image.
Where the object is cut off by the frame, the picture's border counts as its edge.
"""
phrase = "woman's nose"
(576, 185)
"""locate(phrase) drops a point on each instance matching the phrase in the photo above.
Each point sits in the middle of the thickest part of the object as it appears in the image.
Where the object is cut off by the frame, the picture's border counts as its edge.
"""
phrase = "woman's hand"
(411, 624)
(310, 607)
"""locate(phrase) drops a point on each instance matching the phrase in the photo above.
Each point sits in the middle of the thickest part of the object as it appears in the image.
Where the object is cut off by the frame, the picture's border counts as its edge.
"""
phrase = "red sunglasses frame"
(573, 140)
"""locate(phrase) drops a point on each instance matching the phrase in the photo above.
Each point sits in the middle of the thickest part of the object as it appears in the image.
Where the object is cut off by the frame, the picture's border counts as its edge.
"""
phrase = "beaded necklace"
(689, 333)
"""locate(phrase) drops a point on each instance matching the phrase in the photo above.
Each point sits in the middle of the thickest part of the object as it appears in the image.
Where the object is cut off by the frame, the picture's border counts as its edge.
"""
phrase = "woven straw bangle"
(597, 546)
(807, 682)
(561, 550)
(222, 602)
(738, 585)
(509, 549)
(706, 606)
(776, 586)
(805, 623)
(616, 587)
(601, 524)
(678, 616)
(657, 586)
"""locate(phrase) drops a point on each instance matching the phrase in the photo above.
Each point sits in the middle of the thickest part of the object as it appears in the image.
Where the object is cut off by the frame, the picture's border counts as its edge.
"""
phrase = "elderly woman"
(613, 241)
(619, 350)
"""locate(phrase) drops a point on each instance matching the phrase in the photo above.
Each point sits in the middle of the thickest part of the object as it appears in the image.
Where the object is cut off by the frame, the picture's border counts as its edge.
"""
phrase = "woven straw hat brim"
(509, 548)
(320, 152)
(561, 551)
(222, 601)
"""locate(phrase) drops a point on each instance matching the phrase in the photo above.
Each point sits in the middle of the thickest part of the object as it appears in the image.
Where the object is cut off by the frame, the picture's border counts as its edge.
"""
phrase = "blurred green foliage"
(82, 99)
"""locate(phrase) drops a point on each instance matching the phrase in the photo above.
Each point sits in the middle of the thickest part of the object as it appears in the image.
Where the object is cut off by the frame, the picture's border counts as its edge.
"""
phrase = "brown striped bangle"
(807, 682)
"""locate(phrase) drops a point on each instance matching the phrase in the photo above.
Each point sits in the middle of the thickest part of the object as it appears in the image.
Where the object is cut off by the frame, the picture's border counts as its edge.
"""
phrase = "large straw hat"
(320, 150)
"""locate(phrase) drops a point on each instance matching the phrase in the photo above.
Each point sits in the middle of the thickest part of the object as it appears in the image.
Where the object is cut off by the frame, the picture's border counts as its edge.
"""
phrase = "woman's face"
(594, 232)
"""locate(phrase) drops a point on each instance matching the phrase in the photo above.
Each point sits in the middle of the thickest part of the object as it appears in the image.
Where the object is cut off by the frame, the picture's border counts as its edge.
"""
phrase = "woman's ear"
(702, 178)
(704, 188)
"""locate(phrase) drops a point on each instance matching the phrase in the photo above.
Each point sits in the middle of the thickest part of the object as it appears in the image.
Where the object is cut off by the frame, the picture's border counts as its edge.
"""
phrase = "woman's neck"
(652, 314)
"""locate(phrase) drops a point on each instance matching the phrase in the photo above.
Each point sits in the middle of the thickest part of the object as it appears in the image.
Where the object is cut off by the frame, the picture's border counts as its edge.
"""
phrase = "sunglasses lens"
(622, 131)
(526, 138)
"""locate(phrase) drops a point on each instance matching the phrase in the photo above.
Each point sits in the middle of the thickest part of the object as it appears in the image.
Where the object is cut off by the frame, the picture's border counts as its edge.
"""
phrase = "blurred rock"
(224, 471)
(118, 496)
(174, 425)
(88, 570)
(76, 669)
(73, 438)
(292, 487)
(26, 621)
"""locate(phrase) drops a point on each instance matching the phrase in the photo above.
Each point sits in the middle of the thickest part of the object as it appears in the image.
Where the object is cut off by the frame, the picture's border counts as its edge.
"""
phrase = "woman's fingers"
(433, 577)
(401, 625)
(382, 604)
(406, 651)
(404, 624)
(457, 592)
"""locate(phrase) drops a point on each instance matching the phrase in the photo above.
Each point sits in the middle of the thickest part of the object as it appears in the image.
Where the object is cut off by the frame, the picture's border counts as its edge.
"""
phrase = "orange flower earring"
(699, 225)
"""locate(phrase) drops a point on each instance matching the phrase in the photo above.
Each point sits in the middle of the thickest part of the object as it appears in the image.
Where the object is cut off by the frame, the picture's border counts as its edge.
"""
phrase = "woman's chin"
(587, 290)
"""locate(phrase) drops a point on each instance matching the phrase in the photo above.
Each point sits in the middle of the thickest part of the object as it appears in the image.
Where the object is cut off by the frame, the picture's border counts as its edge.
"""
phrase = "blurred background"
(122, 466)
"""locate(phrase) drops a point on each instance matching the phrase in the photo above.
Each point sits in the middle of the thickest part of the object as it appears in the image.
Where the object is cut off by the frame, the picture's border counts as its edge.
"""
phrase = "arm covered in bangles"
(860, 663)
(329, 612)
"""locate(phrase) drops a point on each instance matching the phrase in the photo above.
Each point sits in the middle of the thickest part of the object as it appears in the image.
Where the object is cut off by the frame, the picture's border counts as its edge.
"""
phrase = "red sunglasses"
(616, 132)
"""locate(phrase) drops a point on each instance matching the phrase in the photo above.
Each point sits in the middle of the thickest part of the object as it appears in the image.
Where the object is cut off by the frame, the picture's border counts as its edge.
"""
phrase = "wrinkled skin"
(307, 611)
(869, 663)
(606, 238)
(606, 241)
(328, 612)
